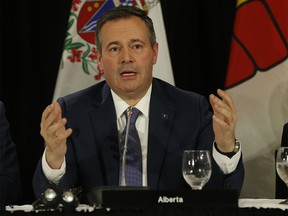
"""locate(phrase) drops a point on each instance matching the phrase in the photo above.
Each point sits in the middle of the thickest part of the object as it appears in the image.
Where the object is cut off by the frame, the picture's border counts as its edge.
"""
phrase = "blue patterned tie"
(133, 166)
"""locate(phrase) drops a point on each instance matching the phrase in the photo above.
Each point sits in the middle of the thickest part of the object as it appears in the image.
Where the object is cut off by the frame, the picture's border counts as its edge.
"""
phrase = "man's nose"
(126, 56)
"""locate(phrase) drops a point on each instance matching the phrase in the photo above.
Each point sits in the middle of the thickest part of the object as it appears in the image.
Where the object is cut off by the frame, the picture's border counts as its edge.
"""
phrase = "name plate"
(145, 198)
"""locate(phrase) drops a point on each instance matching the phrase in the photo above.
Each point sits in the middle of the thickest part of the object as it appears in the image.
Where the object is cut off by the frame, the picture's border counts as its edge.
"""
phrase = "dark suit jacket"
(10, 182)
(178, 120)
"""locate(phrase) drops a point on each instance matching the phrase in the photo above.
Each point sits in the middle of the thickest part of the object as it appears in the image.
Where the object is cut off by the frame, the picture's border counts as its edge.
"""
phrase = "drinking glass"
(282, 166)
(196, 168)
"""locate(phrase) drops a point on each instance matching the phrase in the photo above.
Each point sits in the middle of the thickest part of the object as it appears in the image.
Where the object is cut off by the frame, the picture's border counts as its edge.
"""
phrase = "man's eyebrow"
(137, 40)
(113, 43)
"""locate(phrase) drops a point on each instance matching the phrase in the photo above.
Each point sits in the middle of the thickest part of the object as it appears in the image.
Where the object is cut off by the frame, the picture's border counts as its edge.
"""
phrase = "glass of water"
(196, 168)
(282, 166)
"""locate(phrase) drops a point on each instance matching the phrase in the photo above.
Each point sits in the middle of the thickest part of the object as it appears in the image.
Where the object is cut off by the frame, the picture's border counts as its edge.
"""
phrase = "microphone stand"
(123, 176)
(94, 195)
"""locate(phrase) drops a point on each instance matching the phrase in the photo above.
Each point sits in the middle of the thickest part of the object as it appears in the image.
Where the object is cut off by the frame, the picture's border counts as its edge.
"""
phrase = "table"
(262, 207)
(247, 207)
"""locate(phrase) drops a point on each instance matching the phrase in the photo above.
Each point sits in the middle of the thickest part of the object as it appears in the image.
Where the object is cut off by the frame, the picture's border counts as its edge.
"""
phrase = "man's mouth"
(128, 73)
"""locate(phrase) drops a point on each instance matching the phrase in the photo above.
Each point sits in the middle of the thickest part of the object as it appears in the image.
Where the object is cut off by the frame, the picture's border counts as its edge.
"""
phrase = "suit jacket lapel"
(103, 117)
(160, 122)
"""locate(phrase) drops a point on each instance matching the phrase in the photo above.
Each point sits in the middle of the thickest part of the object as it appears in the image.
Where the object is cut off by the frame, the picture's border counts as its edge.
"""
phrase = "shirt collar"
(142, 105)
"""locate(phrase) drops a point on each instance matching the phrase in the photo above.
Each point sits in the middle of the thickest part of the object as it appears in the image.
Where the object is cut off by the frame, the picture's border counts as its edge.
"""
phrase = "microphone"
(123, 176)
(95, 195)
(284, 141)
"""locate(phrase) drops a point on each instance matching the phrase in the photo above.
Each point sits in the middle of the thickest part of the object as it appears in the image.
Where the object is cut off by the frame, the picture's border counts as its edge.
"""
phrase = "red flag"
(257, 79)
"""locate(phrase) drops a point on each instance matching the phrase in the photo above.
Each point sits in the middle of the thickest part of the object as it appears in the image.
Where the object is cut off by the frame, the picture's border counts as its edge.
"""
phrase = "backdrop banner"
(257, 79)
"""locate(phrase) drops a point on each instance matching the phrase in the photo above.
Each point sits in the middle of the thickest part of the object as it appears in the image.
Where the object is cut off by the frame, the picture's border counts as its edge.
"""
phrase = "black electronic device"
(125, 197)
(53, 198)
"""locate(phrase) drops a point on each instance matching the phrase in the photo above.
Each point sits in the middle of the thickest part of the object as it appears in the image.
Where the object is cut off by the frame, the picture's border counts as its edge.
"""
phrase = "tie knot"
(134, 113)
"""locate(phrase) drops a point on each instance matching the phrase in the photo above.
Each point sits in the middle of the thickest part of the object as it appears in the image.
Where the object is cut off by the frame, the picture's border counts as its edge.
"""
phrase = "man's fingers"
(226, 99)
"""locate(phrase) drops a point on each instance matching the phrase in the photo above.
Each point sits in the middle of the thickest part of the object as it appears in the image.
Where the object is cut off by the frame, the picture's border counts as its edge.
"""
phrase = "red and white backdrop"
(257, 79)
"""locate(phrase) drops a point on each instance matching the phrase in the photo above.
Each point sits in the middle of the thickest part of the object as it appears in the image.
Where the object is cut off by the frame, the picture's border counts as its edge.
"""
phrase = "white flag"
(78, 68)
(257, 79)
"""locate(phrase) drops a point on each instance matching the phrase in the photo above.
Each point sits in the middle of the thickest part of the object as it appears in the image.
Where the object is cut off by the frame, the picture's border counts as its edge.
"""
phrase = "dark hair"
(123, 12)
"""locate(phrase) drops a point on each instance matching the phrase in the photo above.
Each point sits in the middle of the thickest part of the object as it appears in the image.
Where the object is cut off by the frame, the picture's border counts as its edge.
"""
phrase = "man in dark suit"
(82, 130)
(10, 182)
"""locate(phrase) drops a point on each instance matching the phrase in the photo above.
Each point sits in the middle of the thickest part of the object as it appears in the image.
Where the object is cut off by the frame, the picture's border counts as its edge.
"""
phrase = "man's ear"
(99, 60)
